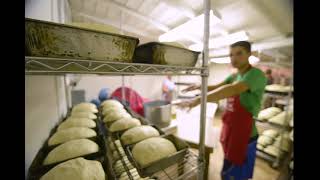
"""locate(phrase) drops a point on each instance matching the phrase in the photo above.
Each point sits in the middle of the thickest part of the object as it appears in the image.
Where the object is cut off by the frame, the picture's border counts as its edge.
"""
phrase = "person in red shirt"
(243, 91)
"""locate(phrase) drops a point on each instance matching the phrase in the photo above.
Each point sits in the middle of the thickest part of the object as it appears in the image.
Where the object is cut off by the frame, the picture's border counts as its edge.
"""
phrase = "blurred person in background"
(269, 76)
(243, 91)
(168, 87)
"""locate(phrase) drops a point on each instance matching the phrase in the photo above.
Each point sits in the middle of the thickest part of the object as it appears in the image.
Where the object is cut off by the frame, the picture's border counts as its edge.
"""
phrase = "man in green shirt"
(243, 91)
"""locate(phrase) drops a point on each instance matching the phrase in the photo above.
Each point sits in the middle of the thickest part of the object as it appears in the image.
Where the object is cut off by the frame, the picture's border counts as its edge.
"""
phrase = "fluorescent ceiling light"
(254, 47)
(253, 60)
(222, 60)
(183, 31)
(226, 60)
(222, 41)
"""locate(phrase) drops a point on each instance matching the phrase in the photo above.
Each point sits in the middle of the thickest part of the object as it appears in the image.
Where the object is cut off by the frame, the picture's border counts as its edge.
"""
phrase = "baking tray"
(159, 53)
(182, 150)
(49, 39)
(37, 166)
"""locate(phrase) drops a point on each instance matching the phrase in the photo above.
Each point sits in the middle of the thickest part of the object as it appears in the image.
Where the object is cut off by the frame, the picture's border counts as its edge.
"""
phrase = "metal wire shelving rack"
(46, 65)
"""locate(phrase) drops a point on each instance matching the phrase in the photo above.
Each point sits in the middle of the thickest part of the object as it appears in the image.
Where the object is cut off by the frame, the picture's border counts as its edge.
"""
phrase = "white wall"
(146, 86)
(43, 109)
(218, 72)
(45, 102)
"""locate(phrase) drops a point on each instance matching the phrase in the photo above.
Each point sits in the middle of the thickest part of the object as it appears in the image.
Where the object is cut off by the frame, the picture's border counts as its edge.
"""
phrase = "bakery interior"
(102, 79)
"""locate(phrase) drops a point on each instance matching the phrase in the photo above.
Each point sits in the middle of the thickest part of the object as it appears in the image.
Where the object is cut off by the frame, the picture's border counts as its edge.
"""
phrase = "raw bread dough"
(114, 116)
(83, 115)
(80, 122)
(85, 105)
(279, 88)
(124, 123)
(71, 149)
(138, 133)
(84, 109)
(265, 140)
(282, 118)
(76, 169)
(274, 151)
(260, 147)
(111, 103)
(107, 111)
(70, 134)
(284, 145)
(152, 149)
(270, 133)
(268, 113)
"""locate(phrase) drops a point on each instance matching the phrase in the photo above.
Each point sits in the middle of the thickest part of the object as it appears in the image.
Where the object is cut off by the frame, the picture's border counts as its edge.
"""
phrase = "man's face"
(239, 56)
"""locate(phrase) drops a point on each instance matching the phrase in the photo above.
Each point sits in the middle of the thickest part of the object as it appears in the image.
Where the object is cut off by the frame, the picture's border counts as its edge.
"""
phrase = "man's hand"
(191, 88)
(189, 104)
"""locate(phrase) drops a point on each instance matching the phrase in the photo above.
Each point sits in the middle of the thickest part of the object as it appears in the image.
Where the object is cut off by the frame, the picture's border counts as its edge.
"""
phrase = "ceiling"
(265, 21)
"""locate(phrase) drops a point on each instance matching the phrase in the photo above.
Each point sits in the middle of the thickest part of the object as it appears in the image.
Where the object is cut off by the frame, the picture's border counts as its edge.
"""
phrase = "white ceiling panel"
(147, 7)
(134, 4)
(89, 6)
(123, 2)
(261, 19)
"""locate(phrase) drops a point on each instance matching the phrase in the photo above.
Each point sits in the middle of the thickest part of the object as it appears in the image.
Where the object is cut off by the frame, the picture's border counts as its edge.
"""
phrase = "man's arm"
(213, 87)
(227, 91)
(222, 92)
(210, 88)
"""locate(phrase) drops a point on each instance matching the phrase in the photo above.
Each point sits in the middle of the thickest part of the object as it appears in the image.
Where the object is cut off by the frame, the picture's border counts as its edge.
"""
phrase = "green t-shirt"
(251, 99)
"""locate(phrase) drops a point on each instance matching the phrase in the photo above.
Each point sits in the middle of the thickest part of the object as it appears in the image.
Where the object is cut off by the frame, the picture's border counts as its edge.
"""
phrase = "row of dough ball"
(75, 127)
(85, 107)
(71, 135)
(114, 112)
(277, 116)
(149, 148)
(84, 110)
(270, 142)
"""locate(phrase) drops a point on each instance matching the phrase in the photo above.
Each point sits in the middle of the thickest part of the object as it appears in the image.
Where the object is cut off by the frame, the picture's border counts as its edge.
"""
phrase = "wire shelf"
(46, 65)
(184, 169)
(187, 168)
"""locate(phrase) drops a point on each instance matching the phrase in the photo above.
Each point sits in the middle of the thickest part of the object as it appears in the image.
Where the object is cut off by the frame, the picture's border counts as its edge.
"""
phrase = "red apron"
(236, 131)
